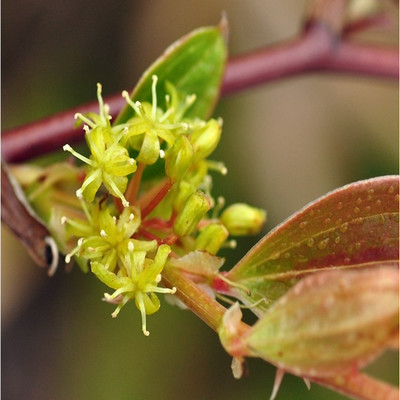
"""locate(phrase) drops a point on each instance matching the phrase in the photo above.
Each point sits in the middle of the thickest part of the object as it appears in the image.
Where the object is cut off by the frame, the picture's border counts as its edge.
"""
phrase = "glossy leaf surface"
(194, 65)
(348, 228)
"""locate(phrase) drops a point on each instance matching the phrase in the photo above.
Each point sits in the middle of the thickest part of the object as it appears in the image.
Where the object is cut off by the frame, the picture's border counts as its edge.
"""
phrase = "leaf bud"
(241, 219)
(193, 211)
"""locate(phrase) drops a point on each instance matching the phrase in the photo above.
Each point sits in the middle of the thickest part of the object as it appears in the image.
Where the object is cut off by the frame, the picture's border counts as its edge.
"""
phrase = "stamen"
(107, 111)
(131, 246)
(131, 216)
(232, 244)
(217, 166)
(218, 207)
(118, 193)
(103, 233)
(154, 96)
(136, 106)
(86, 160)
(85, 120)
(162, 153)
(140, 303)
(79, 194)
(63, 220)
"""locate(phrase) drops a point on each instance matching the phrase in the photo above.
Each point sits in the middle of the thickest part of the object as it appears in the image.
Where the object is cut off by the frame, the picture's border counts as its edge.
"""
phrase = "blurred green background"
(284, 144)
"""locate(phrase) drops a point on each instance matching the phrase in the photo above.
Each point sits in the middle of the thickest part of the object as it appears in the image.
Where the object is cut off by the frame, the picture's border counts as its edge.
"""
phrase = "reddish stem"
(360, 386)
(319, 48)
(157, 223)
(134, 184)
(155, 201)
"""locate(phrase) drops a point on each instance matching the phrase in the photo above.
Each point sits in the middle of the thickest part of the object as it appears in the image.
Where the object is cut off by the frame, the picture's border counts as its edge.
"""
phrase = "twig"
(360, 386)
(318, 49)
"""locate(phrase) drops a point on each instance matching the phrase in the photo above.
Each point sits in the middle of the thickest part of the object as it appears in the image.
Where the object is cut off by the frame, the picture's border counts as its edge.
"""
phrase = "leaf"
(194, 64)
(350, 227)
(330, 322)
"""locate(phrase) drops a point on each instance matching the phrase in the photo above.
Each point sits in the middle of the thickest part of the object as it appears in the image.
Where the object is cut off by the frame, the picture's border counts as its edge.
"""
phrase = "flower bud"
(241, 219)
(205, 140)
(211, 238)
(179, 158)
(185, 189)
(193, 211)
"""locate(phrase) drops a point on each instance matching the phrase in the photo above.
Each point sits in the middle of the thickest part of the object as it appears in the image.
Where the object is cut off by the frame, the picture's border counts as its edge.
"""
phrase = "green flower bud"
(193, 211)
(205, 140)
(211, 238)
(185, 189)
(179, 158)
(241, 219)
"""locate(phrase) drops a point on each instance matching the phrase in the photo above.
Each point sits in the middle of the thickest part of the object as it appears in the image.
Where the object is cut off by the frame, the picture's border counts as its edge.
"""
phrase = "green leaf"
(350, 227)
(194, 65)
(330, 322)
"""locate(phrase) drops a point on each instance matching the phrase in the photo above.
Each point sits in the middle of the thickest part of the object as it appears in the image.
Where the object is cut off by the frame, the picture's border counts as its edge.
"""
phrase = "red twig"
(319, 48)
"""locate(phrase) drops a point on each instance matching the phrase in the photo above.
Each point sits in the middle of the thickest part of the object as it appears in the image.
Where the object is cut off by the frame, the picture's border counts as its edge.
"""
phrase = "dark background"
(284, 144)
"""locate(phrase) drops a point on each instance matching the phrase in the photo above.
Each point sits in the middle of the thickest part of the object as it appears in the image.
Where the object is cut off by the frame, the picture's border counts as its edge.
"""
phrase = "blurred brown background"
(284, 144)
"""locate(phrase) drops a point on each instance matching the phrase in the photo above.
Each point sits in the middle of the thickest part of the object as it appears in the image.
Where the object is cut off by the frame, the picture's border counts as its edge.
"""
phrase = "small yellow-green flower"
(106, 239)
(140, 283)
(151, 125)
(109, 162)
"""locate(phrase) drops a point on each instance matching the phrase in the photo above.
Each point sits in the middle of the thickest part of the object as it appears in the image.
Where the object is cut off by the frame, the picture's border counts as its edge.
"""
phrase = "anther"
(103, 233)
(162, 153)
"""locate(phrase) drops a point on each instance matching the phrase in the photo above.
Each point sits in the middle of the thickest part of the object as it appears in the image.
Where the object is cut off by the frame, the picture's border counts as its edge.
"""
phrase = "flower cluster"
(125, 227)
